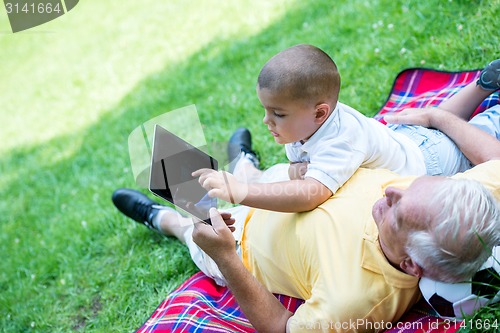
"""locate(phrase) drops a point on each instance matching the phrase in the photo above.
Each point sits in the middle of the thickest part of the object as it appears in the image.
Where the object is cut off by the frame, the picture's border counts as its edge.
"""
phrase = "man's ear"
(322, 113)
(411, 267)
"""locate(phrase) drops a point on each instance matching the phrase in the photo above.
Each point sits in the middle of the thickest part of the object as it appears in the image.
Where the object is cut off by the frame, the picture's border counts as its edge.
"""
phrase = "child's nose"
(265, 120)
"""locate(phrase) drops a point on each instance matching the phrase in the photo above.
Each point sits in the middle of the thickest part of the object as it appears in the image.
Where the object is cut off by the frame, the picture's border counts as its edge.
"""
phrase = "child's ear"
(322, 113)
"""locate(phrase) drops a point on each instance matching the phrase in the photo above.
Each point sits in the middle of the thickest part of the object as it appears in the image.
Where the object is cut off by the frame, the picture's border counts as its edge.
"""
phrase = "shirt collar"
(374, 260)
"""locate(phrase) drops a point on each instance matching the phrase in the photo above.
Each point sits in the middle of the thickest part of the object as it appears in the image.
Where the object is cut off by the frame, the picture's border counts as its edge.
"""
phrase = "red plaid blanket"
(199, 305)
(421, 87)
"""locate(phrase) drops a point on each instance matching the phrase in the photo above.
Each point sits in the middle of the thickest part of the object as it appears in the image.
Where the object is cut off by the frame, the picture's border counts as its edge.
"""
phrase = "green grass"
(73, 89)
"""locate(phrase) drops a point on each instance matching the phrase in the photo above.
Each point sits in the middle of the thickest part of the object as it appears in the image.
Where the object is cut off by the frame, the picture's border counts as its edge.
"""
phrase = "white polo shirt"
(349, 140)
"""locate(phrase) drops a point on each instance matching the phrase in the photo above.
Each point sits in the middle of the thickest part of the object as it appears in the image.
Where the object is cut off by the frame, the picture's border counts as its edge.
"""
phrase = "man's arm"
(477, 145)
(260, 306)
(288, 196)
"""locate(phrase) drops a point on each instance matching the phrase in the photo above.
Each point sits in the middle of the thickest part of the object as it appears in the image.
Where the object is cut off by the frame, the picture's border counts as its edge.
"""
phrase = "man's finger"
(199, 226)
(216, 219)
(392, 119)
(226, 215)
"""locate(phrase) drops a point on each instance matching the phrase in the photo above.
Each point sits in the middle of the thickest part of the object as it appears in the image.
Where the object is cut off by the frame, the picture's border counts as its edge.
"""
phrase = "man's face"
(288, 121)
(402, 211)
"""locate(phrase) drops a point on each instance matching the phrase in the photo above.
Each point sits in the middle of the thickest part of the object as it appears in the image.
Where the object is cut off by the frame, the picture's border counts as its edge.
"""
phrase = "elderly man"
(356, 259)
(357, 271)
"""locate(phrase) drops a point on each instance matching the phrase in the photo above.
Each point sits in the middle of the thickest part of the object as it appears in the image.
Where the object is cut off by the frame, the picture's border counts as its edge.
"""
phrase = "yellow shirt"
(331, 257)
(487, 174)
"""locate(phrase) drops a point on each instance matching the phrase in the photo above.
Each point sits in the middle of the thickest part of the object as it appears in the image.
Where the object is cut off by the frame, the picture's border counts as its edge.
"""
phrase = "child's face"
(288, 121)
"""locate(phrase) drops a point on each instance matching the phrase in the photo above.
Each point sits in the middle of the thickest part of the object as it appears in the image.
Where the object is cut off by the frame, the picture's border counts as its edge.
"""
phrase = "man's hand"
(222, 185)
(216, 239)
(477, 145)
(259, 305)
(415, 116)
(297, 170)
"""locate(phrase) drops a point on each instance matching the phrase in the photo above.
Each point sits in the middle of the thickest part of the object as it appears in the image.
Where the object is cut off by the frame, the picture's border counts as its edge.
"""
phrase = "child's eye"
(279, 115)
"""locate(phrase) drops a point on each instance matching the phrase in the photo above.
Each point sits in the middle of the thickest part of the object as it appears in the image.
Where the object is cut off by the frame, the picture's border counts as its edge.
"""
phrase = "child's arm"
(288, 196)
(297, 170)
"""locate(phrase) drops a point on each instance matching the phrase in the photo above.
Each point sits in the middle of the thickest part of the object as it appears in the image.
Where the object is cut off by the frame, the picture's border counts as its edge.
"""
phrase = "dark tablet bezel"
(172, 162)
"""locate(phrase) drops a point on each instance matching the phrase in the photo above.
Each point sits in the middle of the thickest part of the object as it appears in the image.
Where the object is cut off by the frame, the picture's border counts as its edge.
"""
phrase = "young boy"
(299, 89)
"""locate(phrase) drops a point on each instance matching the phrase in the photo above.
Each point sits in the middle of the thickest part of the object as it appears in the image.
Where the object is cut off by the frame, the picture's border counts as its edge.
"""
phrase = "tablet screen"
(172, 163)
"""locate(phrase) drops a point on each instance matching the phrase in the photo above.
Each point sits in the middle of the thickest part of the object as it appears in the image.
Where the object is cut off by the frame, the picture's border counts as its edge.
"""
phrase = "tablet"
(173, 160)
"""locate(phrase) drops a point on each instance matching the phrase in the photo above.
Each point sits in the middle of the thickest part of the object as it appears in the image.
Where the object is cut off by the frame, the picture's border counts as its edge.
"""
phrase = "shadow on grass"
(61, 236)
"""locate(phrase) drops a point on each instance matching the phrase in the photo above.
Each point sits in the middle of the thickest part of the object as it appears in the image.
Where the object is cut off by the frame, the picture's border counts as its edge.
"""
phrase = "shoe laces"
(251, 155)
(145, 211)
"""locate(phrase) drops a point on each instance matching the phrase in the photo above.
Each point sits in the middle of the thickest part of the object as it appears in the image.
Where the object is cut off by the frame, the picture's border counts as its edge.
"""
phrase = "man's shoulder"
(487, 170)
(365, 177)
(361, 190)
(487, 173)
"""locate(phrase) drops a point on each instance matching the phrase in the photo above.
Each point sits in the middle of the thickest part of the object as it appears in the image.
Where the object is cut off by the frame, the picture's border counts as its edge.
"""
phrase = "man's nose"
(393, 194)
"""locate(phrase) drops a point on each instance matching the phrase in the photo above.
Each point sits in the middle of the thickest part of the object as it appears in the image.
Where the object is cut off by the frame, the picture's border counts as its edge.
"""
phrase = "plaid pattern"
(199, 305)
(421, 87)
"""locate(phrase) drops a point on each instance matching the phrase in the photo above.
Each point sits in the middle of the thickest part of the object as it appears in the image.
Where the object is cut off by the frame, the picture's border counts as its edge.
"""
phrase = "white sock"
(157, 218)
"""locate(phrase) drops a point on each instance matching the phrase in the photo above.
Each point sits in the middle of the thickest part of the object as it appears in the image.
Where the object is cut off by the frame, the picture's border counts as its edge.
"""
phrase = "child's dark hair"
(302, 72)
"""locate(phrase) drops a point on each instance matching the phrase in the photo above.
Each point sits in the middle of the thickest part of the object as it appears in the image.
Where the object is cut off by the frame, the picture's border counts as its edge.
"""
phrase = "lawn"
(72, 90)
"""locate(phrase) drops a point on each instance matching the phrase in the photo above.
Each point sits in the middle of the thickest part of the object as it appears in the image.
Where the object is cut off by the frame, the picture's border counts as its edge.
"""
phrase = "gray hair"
(461, 236)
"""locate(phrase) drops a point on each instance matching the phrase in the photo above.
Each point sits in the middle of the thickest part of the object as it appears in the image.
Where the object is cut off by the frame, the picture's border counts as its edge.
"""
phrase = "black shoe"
(137, 206)
(241, 141)
(490, 76)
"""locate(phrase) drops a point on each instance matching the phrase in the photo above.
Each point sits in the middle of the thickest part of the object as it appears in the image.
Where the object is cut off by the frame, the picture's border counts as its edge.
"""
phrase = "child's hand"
(222, 185)
(297, 170)
(415, 116)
